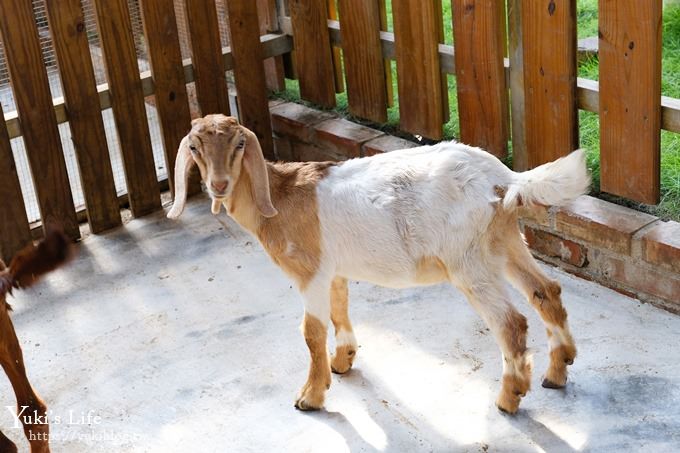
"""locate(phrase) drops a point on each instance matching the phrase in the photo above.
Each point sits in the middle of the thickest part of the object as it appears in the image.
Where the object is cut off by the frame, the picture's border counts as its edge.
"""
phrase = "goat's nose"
(219, 187)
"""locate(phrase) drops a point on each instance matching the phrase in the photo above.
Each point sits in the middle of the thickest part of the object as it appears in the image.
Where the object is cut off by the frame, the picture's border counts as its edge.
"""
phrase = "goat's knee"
(516, 363)
(312, 394)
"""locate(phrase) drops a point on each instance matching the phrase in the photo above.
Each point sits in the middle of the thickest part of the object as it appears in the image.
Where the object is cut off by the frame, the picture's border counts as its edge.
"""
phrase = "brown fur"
(431, 270)
(513, 389)
(342, 360)
(560, 357)
(24, 270)
(319, 379)
(293, 191)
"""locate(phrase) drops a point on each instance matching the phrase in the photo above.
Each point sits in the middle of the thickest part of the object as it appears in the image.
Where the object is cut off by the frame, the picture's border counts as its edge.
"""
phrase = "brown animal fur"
(342, 360)
(319, 379)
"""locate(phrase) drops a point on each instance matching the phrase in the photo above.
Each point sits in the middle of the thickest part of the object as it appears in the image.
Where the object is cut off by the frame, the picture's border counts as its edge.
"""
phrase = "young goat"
(24, 270)
(413, 217)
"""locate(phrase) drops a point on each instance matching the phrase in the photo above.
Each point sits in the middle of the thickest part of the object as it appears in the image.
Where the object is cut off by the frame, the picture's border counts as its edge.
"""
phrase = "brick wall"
(629, 251)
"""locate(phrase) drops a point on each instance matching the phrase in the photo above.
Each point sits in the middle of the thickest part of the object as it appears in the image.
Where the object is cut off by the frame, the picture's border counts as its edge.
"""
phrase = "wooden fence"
(528, 69)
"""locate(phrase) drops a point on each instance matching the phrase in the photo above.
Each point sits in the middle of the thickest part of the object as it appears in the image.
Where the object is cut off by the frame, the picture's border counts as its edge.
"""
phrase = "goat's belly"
(423, 272)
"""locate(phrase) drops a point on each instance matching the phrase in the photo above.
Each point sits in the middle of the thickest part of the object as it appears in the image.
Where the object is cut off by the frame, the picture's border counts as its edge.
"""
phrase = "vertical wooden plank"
(39, 125)
(313, 57)
(630, 89)
(479, 33)
(206, 54)
(387, 61)
(549, 42)
(273, 67)
(160, 30)
(127, 101)
(364, 65)
(15, 232)
(67, 26)
(416, 40)
(337, 51)
(520, 158)
(249, 72)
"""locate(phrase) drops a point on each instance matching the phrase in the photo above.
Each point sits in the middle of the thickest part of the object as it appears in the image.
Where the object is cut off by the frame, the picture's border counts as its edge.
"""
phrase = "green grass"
(669, 207)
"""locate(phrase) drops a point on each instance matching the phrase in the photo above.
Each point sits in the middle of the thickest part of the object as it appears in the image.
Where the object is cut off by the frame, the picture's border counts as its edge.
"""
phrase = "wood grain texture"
(313, 56)
(249, 73)
(206, 54)
(479, 34)
(336, 51)
(172, 103)
(416, 39)
(16, 232)
(273, 67)
(549, 45)
(364, 64)
(38, 123)
(67, 26)
(630, 89)
(127, 101)
(520, 160)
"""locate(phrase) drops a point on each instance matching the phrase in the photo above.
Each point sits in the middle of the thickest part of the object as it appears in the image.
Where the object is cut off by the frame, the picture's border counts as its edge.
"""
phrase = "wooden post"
(419, 77)
(549, 44)
(127, 101)
(366, 87)
(249, 72)
(313, 57)
(630, 89)
(39, 124)
(479, 27)
(67, 26)
(520, 158)
(206, 54)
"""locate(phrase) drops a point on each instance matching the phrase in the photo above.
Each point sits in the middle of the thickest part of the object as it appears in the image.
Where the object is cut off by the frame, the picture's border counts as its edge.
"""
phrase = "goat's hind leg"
(345, 342)
(544, 295)
(6, 445)
(509, 327)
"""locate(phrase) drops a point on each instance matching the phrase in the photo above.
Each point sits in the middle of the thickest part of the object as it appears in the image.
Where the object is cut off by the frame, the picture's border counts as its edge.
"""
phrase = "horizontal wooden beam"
(272, 46)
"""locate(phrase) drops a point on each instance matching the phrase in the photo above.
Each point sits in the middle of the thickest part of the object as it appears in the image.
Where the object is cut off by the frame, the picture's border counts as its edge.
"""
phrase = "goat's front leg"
(314, 328)
(30, 406)
(345, 342)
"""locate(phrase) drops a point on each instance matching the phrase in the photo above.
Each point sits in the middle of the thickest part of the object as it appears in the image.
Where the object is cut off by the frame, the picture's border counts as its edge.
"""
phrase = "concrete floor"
(183, 337)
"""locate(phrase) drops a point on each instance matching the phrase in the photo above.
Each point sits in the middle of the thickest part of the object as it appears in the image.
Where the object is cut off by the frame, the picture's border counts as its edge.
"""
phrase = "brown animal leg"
(6, 445)
(311, 395)
(11, 358)
(345, 343)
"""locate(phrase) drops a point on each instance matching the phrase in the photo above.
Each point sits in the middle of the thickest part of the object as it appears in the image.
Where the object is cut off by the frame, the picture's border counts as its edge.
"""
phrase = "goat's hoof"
(508, 404)
(547, 383)
(342, 360)
(303, 404)
(311, 398)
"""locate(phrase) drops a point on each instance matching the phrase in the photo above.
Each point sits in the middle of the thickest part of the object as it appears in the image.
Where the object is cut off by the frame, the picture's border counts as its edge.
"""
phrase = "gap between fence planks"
(127, 101)
(206, 53)
(313, 56)
(13, 221)
(34, 104)
(549, 45)
(165, 57)
(364, 64)
(630, 87)
(416, 40)
(520, 158)
(69, 35)
(336, 51)
(269, 23)
(479, 27)
(249, 72)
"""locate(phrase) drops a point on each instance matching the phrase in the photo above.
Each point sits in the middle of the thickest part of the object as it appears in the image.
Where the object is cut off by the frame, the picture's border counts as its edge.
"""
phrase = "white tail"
(554, 183)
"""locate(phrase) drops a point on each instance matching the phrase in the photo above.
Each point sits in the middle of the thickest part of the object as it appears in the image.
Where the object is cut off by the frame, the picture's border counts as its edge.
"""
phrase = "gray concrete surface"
(183, 337)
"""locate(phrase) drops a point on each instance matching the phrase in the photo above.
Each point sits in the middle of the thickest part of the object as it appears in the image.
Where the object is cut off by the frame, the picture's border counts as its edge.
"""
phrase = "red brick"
(385, 144)
(548, 244)
(636, 276)
(601, 223)
(275, 102)
(295, 120)
(283, 148)
(661, 245)
(306, 152)
(343, 137)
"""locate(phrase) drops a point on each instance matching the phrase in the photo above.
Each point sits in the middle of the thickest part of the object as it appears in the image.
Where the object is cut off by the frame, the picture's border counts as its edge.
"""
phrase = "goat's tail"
(34, 261)
(554, 183)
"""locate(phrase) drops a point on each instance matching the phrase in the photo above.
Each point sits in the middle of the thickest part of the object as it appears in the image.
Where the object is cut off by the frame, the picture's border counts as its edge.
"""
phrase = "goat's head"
(222, 149)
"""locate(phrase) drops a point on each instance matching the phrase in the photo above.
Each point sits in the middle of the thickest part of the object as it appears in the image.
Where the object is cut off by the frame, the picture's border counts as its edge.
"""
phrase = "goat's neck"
(241, 205)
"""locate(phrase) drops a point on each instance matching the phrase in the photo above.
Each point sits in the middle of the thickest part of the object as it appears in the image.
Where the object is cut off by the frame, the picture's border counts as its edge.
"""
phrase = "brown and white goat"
(412, 217)
(24, 270)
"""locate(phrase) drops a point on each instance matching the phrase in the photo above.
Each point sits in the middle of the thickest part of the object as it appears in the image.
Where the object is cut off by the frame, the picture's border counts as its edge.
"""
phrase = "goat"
(24, 270)
(441, 213)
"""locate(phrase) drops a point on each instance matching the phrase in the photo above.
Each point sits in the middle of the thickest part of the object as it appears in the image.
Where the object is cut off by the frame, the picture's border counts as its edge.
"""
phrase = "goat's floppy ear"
(183, 165)
(254, 163)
